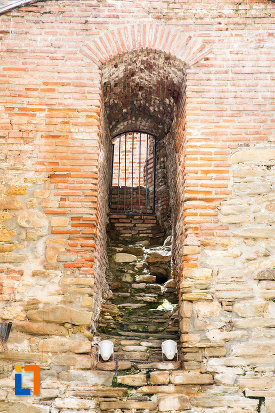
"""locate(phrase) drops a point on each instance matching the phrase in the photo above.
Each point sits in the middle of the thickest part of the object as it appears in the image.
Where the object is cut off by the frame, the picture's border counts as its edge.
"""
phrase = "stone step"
(146, 278)
(131, 305)
(142, 328)
(149, 315)
(120, 342)
(135, 355)
(121, 295)
(134, 348)
(154, 319)
(146, 336)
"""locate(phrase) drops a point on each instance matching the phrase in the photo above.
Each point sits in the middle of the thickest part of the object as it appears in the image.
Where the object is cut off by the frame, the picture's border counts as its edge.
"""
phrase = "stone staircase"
(140, 315)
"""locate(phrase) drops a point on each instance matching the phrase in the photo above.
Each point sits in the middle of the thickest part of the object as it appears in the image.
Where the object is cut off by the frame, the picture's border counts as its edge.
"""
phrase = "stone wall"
(227, 306)
(205, 71)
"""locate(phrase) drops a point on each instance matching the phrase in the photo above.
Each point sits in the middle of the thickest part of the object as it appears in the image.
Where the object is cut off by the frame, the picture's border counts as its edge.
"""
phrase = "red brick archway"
(112, 47)
(190, 49)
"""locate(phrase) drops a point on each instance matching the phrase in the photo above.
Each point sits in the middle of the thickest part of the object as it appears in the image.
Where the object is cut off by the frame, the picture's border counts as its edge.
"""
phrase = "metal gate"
(133, 180)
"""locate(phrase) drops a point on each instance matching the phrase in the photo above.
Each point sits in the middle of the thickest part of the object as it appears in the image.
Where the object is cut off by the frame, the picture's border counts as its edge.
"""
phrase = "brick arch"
(172, 41)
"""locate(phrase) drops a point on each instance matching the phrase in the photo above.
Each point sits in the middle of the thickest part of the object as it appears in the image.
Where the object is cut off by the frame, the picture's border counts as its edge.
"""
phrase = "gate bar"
(112, 175)
(118, 178)
(139, 171)
(148, 204)
(132, 188)
(125, 181)
(155, 175)
(146, 170)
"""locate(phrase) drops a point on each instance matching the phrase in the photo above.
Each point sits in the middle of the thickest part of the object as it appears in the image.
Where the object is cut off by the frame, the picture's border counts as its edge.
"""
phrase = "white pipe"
(169, 349)
(105, 349)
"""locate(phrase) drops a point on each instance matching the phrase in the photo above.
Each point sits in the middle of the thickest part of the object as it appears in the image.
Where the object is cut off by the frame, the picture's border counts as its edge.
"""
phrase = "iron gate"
(133, 180)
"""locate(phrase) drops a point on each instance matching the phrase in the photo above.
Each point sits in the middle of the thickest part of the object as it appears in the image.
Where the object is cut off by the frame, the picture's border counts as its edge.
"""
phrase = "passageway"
(143, 95)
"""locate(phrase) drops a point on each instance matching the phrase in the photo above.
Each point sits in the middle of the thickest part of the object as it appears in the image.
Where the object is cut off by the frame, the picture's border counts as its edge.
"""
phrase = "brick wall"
(205, 71)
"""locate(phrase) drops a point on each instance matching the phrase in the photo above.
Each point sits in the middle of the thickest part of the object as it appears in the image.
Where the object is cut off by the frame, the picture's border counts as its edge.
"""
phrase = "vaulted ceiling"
(141, 90)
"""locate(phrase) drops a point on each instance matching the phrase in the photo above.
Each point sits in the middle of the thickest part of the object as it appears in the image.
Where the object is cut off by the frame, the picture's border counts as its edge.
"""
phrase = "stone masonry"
(199, 76)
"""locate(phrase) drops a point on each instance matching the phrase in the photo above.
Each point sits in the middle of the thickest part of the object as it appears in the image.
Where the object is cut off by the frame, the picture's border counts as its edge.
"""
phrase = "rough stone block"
(190, 377)
(216, 400)
(59, 221)
(233, 209)
(207, 309)
(3, 395)
(20, 356)
(264, 219)
(102, 391)
(111, 365)
(235, 219)
(135, 380)
(253, 155)
(9, 257)
(174, 402)
(157, 257)
(31, 218)
(250, 323)
(42, 193)
(219, 258)
(186, 309)
(52, 254)
(61, 314)
(190, 250)
(5, 216)
(74, 403)
(61, 345)
(270, 404)
(146, 278)
(78, 281)
(41, 328)
(215, 352)
(90, 378)
(6, 234)
(266, 274)
(250, 308)
(169, 389)
(251, 188)
(255, 382)
(9, 247)
(17, 190)
(270, 207)
(196, 296)
(21, 407)
(255, 232)
(159, 377)
(10, 204)
(164, 365)
(253, 349)
(130, 404)
(204, 274)
(87, 302)
(123, 257)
